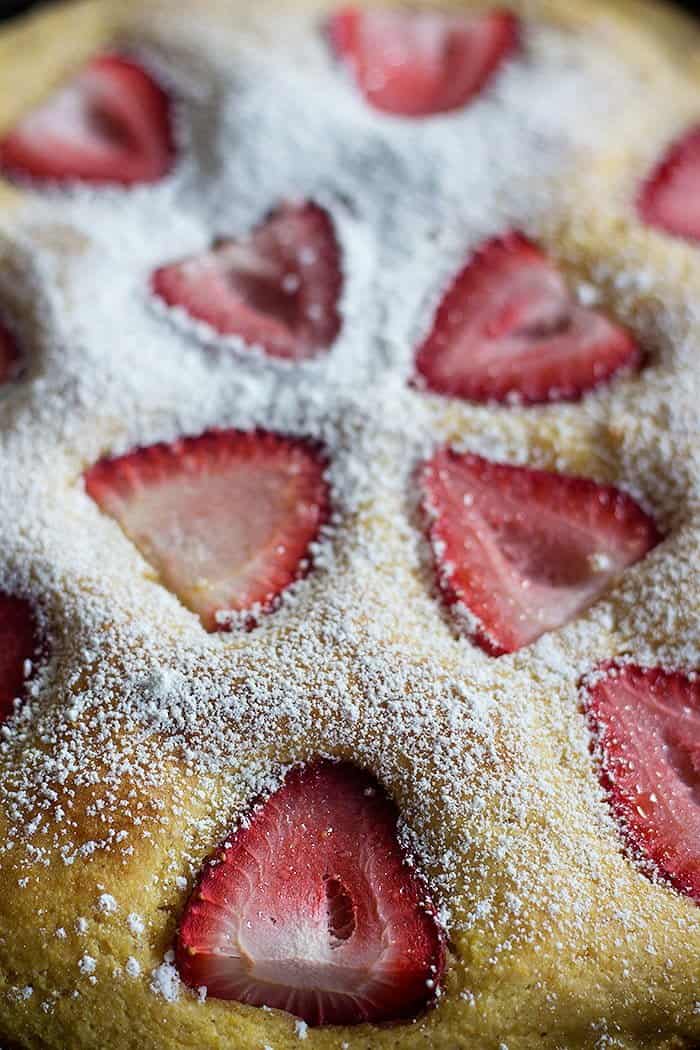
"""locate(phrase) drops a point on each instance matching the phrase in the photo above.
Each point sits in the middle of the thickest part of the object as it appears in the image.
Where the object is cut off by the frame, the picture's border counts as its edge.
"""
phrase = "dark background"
(8, 8)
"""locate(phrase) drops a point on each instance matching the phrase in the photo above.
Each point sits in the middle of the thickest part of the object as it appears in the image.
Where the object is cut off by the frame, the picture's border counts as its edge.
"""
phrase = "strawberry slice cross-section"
(18, 645)
(226, 519)
(419, 63)
(10, 357)
(509, 330)
(311, 907)
(646, 728)
(669, 198)
(521, 552)
(277, 289)
(110, 124)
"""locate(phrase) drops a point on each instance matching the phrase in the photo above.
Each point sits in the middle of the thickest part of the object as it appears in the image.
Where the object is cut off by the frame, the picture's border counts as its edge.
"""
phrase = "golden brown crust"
(586, 994)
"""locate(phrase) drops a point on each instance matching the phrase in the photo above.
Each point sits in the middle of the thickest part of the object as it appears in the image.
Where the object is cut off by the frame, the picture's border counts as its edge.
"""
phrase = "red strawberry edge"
(490, 637)
(343, 31)
(649, 203)
(118, 475)
(19, 647)
(215, 893)
(645, 842)
(22, 159)
(211, 297)
(534, 385)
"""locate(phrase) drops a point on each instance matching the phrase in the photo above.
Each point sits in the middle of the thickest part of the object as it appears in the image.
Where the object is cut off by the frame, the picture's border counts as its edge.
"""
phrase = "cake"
(349, 527)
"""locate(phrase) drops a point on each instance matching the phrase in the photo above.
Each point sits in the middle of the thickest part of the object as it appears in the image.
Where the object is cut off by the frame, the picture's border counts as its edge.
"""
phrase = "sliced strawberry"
(524, 551)
(10, 358)
(277, 288)
(18, 644)
(226, 519)
(646, 723)
(310, 907)
(418, 63)
(509, 329)
(110, 123)
(670, 197)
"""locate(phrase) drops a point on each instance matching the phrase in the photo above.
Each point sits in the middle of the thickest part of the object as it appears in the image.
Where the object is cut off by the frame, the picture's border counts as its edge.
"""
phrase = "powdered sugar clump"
(87, 964)
(136, 924)
(107, 904)
(165, 981)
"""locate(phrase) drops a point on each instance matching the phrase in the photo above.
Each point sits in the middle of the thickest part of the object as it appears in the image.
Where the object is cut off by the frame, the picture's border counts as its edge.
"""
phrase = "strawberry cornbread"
(349, 527)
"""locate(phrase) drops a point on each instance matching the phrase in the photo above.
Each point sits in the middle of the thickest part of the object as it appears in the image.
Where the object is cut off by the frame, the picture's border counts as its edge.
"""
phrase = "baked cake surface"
(141, 739)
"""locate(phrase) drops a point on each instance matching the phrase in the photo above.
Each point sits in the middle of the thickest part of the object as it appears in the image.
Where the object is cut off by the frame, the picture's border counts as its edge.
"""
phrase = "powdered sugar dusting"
(165, 981)
(144, 736)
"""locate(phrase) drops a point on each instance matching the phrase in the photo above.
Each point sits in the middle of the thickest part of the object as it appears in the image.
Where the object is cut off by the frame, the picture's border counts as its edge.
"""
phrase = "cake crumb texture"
(142, 739)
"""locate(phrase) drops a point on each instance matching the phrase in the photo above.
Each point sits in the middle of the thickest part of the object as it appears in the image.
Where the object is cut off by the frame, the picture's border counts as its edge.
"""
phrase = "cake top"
(141, 729)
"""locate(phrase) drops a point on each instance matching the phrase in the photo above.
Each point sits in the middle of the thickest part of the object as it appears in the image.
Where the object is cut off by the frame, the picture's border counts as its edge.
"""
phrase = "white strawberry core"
(393, 42)
(421, 63)
(677, 201)
(276, 289)
(532, 552)
(225, 519)
(546, 577)
(267, 952)
(301, 950)
(304, 933)
(310, 909)
(530, 313)
(72, 115)
(210, 535)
